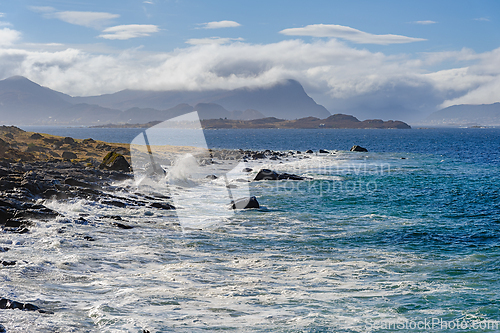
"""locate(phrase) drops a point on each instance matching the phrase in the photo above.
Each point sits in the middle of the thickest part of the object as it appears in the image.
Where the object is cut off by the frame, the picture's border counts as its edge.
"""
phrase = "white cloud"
(220, 24)
(86, 19)
(348, 33)
(212, 40)
(482, 19)
(123, 32)
(331, 69)
(426, 22)
(42, 9)
(2, 14)
(8, 36)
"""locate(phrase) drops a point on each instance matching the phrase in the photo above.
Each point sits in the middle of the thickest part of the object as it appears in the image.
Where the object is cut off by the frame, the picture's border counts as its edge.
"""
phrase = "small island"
(334, 121)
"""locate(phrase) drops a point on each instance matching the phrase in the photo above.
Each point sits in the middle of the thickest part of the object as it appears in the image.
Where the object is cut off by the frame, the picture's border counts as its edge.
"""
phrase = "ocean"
(403, 238)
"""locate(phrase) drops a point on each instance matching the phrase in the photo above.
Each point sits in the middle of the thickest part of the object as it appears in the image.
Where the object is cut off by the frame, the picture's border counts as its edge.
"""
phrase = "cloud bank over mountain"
(342, 77)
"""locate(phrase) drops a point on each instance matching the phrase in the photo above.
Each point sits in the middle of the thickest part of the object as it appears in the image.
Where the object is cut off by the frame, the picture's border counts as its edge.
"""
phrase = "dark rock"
(121, 225)
(36, 136)
(266, 174)
(247, 170)
(211, 177)
(322, 151)
(258, 156)
(245, 203)
(113, 217)
(2, 328)
(68, 140)
(8, 263)
(115, 161)
(67, 155)
(4, 249)
(359, 148)
(74, 182)
(89, 140)
(159, 205)
(88, 238)
(8, 304)
(274, 158)
(115, 203)
(309, 151)
(289, 176)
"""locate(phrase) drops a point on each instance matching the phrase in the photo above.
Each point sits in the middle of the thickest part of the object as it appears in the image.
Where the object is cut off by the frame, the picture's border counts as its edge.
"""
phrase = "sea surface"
(404, 238)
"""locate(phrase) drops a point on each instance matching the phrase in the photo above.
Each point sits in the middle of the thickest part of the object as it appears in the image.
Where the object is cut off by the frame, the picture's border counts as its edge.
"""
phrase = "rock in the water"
(289, 176)
(8, 304)
(359, 148)
(266, 174)
(115, 203)
(159, 205)
(121, 225)
(67, 155)
(115, 161)
(2, 329)
(213, 177)
(322, 151)
(309, 151)
(8, 263)
(75, 182)
(245, 203)
(247, 170)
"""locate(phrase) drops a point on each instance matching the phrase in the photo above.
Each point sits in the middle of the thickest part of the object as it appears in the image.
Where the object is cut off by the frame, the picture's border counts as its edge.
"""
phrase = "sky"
(386, 59)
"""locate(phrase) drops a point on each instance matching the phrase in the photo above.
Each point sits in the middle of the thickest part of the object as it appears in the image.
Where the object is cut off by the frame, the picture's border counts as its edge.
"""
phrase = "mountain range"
(466, 114)
(25, 102)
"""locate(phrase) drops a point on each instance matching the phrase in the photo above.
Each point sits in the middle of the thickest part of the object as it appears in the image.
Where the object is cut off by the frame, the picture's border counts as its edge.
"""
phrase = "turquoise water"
(404, 236)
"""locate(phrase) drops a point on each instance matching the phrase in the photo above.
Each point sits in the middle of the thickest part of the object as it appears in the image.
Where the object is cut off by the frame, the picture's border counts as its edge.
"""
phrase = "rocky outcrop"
(266, 174)
(359, 148)
(9, 304)
(245, 203)
(115, 161)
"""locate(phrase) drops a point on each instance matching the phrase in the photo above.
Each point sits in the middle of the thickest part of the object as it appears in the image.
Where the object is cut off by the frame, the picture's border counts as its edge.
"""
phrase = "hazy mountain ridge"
(25, 102)
(467, 114)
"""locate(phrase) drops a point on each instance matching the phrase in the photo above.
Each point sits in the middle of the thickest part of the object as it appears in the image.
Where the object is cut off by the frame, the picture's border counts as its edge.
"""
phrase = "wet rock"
(322, 151)
(67, 155)
(9, 304)
(289, 176)
(75, 182)
(2, 329)
(115, 203)
(4, 249)
(245, 203)
(266, 174)
(8, 263)
(121, 225)
(213, 177)
(359, 148)
(113, 217)
(115, 161)
(164, 206)
(309, 151)
(88, 238)
(247, 170)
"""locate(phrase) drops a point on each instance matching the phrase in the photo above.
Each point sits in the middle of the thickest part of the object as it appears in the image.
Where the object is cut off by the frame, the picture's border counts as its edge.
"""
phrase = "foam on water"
(308, 260)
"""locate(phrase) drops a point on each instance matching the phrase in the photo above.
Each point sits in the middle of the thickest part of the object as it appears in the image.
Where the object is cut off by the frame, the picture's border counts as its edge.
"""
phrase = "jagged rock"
(266, 174)
(322, 151)
(309, 151)
(67, 155)
(8, 263)
(115, 161)
(245, 203)
(359, 148)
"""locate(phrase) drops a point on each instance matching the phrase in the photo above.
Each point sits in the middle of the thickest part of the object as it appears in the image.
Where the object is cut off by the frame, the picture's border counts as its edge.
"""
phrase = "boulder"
(322, 151)
(8, 304)
(159, 205)
(309, 151)
(359, 148)
(266, 174)
(289, 176)
(115, 161)
(245, 203)
(68, 140)
(67, 155)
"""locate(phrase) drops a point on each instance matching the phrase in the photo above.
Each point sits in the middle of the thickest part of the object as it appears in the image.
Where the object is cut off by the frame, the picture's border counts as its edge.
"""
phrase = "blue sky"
(347, 54)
